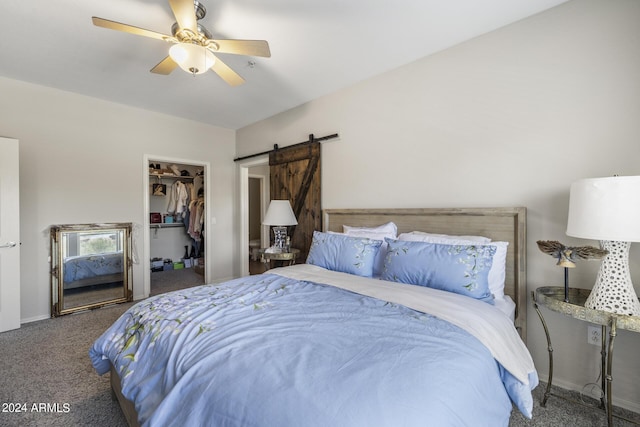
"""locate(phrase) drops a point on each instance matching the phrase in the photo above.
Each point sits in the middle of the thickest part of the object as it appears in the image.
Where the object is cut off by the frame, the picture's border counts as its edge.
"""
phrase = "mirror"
(90, 266)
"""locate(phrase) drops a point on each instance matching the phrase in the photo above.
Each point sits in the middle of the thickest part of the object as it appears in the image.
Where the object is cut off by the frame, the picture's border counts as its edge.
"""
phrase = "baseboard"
(34, 319)
(621, 403)
(226, 279)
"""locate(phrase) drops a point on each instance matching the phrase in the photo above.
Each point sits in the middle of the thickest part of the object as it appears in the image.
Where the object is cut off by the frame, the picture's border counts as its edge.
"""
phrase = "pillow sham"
(339, 252)
(497, 273)
(374, 235)
(462, 269)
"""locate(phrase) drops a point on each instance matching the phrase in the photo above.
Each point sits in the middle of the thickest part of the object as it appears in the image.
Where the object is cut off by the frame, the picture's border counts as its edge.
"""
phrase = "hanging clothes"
(196, 218)
(178, 198)
(198, 187)
(184, 197)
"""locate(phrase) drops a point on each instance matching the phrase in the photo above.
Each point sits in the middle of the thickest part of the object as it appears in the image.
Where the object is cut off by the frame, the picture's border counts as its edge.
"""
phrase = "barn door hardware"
(276, 147)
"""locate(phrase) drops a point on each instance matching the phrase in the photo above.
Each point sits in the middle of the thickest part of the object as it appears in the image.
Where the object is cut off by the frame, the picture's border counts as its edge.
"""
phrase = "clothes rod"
(276, 148)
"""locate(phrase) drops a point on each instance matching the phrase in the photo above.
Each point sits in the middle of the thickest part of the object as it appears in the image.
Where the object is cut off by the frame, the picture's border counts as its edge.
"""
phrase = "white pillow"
(497, 273)
(376, 233)
(480, 239)
(389, 227)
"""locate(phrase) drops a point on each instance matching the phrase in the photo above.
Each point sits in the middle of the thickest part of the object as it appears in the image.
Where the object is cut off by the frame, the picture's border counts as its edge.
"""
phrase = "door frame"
(146, 231)
(243, 171)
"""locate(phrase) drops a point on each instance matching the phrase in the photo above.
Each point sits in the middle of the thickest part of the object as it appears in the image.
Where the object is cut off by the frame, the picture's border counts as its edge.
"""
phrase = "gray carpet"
(166, 281)
(47, 362)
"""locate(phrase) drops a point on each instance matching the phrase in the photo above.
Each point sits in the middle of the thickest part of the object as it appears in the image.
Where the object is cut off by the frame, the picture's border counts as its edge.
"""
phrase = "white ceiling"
(317, 47)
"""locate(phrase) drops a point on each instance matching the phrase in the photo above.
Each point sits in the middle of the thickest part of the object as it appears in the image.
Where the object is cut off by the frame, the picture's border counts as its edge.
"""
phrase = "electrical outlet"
(594, 335)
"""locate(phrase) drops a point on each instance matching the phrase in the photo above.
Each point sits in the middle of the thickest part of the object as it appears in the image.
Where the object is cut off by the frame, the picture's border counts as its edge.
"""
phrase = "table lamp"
(280, 215)
(608, 210)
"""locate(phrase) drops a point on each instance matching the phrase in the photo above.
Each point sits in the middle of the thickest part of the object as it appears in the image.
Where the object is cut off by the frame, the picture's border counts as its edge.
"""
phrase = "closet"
(176, 209)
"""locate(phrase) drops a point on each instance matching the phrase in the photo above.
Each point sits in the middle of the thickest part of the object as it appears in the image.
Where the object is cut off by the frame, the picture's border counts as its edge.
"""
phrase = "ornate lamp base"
(280, 238)
(613, 290)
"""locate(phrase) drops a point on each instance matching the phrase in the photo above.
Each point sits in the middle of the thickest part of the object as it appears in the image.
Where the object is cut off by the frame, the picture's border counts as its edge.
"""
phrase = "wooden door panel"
(295, 176)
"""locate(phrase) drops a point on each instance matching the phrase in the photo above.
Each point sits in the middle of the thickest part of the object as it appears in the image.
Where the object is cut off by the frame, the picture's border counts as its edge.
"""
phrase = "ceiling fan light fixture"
(192, 58)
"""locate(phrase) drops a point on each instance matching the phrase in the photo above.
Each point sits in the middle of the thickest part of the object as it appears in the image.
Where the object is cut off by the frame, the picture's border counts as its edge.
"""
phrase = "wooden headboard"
(499, 224)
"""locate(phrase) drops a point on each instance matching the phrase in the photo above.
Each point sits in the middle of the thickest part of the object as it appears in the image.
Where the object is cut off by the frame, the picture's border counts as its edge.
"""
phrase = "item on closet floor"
(168, 265)
(187, 262)
(178, 265)
(186, 252)
(156, 218)
(156, 264)
(193, 252)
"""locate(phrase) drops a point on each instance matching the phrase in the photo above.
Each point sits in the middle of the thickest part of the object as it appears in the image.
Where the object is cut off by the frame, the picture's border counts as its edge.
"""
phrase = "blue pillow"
(338, 252)
(462, 269)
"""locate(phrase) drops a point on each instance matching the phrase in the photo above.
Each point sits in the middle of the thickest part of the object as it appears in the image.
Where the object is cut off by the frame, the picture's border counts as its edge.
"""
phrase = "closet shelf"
(166, 225)
(161, 176)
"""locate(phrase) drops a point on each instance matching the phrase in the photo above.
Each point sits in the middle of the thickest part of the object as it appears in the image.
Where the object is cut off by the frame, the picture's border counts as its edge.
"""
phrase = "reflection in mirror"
(90, 266)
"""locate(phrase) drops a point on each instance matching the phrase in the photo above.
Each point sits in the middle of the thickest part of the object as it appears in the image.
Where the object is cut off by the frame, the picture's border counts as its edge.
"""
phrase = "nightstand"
(284, 258)
(552, 297)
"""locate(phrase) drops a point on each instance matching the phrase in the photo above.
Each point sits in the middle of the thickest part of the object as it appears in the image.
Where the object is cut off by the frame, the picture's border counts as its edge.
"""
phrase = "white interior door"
(9, 235)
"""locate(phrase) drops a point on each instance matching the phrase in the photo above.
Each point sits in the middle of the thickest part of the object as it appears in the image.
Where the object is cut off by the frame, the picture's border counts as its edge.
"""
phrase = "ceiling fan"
(193, 48)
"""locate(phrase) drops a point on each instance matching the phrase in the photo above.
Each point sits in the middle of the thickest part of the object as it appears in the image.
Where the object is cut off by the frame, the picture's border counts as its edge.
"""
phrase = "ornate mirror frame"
(90, 266)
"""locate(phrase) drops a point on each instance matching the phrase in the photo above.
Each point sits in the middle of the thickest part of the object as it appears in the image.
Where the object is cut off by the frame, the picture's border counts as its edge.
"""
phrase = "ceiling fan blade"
(226, 73)
(113, 25)
(166, 66)
(244, 47)
(185, 13)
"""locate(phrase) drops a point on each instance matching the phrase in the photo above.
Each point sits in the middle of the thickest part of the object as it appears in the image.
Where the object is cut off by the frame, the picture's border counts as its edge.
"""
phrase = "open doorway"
(254, 200)
(176, 241)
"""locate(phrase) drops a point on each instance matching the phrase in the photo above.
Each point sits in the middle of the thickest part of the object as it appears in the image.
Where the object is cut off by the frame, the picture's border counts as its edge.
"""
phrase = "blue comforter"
(272, 351)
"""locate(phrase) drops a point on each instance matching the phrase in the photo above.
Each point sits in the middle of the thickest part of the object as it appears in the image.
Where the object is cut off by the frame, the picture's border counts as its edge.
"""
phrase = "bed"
(313, 345)
(89, 270)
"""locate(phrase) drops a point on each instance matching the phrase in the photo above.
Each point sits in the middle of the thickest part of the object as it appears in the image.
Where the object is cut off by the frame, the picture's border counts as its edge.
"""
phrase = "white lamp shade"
(279, 213)
(192, 58)
(605, 209)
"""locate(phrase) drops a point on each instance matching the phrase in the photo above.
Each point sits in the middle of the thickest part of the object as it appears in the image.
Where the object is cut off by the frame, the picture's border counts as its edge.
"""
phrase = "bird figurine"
(568, 255)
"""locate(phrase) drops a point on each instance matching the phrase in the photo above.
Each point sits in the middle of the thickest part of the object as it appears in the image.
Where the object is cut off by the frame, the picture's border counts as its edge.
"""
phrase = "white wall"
(511, 118)
(81, 161)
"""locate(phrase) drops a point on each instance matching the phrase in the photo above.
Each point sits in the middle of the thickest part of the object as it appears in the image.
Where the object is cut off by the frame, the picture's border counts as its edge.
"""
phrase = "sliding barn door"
(295, 176)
